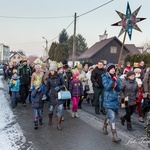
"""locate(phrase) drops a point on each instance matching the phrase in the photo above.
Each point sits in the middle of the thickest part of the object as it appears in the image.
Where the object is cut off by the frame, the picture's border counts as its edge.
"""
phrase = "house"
(16, 56)
(107, 49)
(4, 53)
(35, 60)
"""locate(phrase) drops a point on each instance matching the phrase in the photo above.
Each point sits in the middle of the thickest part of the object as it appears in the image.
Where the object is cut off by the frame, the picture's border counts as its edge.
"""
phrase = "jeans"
(14, 98)
(97, 93)
(38, 114)
(110, 114)
(75, 103)
(59, 108)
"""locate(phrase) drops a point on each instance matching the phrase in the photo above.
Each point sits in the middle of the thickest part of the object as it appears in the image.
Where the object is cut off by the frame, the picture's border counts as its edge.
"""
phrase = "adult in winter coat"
(146, 83)
(90, 93)
(98, 88)
(55, 83)
(9, 74)
(112, 85)
(24, 73)
(128, 96)
(68, 77)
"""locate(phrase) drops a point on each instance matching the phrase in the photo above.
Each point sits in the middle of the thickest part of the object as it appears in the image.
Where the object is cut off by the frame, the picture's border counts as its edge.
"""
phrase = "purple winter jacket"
(76, 88)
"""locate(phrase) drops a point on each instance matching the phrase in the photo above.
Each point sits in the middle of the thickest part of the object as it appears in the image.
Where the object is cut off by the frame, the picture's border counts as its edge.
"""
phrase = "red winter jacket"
(140, 96)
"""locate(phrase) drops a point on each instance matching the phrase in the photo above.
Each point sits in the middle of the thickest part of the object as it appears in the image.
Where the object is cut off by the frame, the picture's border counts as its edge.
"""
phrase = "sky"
(26, 34)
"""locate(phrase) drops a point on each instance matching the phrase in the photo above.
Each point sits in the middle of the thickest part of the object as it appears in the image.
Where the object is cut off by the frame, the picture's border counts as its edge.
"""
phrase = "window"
(18, 57)
(14, 57)
(113, 49)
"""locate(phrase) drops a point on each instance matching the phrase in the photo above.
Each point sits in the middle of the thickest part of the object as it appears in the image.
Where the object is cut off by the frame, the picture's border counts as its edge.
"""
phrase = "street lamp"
(46, 49)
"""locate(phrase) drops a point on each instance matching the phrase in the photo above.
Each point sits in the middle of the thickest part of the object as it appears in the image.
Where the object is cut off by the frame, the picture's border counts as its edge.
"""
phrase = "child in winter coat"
(37, 104)
(139, 100)
(14, 85)
(76, 90)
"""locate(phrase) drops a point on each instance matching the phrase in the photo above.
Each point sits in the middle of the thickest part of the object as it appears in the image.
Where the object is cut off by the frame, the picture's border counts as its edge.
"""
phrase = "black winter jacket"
(53, 82)
(96, 76)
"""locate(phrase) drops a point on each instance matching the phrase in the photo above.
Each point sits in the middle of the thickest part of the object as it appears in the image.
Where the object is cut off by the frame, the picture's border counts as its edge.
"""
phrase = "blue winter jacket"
(16, 87)
(111, 99)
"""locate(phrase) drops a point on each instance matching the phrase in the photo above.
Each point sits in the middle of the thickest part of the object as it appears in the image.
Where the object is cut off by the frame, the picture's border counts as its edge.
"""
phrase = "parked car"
(1, 70)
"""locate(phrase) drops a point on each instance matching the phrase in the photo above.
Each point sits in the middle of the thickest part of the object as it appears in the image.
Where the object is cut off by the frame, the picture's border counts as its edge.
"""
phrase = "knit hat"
(137, 70)
(128, 63)
(76, 75)
(53, 66)
(110, 66)
(130, 73)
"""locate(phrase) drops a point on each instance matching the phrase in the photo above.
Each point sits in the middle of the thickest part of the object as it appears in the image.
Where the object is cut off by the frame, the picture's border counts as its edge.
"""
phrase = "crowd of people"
(104, 86)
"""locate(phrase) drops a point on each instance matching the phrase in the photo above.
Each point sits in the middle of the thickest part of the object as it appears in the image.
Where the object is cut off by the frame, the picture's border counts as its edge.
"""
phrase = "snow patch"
(11, 135)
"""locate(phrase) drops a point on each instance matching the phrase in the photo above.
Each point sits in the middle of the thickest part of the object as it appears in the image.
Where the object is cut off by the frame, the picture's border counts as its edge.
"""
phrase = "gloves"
(145, 95)
(57, 88)
(96, 85)
(115, 78)
(115, 86)
(44, 97)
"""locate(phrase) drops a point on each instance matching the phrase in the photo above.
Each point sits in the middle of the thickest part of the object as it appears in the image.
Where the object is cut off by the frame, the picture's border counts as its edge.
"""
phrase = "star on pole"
(128, 21)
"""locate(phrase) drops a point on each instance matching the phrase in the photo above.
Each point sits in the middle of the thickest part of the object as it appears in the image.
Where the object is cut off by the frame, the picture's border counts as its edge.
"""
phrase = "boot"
(58, 123)
(50, 119)
(129, 126)
(76, 114)
(141, 120)
(73, 114)
(115, 137)
(122, 120)
(62, 118)
(105, 127)
(35, 125)
(40, 122)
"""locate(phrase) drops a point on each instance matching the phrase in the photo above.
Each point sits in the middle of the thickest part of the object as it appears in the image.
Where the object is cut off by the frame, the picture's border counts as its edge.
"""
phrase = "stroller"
(146, 112)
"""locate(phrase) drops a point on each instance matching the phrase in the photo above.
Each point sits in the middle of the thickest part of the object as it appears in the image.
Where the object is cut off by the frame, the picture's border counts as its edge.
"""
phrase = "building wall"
(4, 53)
(104, 54)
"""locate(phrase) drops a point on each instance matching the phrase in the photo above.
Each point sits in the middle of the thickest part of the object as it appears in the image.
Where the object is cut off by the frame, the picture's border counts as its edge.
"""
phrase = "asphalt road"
(84, 133)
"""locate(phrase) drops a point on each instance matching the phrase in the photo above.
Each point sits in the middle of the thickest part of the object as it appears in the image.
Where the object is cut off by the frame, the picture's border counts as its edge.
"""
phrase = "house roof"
(14, 53)
(132, 48)
(32, 59)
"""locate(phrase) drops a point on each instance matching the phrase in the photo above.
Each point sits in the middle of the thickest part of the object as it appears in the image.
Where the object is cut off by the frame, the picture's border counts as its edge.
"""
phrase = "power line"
(65, 29)
(14, 17)
(56, 17)
(95, 8)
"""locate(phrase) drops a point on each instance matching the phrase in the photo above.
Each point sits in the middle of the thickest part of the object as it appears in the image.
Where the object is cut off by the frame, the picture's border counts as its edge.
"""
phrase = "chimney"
(103, 37)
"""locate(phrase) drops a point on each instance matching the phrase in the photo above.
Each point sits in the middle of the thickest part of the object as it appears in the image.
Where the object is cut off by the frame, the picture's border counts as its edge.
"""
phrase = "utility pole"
(46, 48)
(74, 40)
